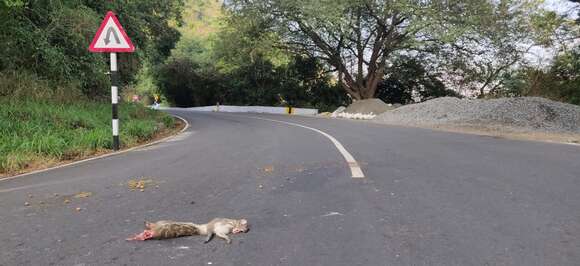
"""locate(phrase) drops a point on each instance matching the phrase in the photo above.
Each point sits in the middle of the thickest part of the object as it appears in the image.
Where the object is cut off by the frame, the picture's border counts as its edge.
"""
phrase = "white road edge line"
(355, 169)
(104, 155)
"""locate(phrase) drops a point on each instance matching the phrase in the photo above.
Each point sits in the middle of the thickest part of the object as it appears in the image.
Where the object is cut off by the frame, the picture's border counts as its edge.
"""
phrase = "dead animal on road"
(220, 227)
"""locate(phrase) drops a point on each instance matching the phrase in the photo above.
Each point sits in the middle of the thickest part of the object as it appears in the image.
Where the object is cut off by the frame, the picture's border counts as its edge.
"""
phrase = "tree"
(183, 86)
(357, 38)
(495, 44)
(49, 39)
(560, 82)
(306, 84)
(238, 63)
(566, 69)
(409, 81)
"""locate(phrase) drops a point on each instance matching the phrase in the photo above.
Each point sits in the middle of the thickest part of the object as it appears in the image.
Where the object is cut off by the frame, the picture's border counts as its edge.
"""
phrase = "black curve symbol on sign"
(108, 37)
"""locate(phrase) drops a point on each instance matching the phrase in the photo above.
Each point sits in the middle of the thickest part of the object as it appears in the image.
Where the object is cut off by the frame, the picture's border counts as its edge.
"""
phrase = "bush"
(23, 85)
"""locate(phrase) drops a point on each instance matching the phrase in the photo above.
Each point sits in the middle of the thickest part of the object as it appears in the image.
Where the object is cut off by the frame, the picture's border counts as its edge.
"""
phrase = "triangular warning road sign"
(111, 37)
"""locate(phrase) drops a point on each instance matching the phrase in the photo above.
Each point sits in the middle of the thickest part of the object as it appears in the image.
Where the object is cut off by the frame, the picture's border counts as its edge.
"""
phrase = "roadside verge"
(183, 125)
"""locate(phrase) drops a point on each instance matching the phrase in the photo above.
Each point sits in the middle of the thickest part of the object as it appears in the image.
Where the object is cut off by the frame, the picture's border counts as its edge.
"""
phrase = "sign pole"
(111, 38)
(115, 100)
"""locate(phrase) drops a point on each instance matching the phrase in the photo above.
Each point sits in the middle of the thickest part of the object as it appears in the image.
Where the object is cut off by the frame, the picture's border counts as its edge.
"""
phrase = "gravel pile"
(524, 113)
(375, 106)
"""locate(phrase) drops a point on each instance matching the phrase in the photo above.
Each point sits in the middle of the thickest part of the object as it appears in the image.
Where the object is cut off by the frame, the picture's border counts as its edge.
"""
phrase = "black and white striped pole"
(115, 100)
(111, 38)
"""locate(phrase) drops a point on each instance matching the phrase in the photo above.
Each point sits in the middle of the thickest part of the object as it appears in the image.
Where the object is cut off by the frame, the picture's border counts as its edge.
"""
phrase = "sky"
(562, 7)
(542, 56)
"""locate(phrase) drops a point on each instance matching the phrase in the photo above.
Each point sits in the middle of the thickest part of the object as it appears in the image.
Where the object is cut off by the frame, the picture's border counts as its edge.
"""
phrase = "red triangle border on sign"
(92, 48)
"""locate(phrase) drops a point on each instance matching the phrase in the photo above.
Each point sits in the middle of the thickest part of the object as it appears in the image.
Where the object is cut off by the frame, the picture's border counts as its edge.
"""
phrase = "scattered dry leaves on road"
(140, 184)
(268, 169)
(83, 194)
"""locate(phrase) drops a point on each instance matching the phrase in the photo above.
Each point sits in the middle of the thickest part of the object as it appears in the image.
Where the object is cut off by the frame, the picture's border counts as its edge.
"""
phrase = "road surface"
(428, 198)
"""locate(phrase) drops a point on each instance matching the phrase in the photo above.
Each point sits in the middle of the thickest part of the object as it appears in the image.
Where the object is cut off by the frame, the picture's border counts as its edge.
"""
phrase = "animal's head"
(147, 234)
(155, 225)
(241, 226)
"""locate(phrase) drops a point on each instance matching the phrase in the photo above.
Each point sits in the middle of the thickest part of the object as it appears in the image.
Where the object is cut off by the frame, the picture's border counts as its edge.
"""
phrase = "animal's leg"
(208, 238)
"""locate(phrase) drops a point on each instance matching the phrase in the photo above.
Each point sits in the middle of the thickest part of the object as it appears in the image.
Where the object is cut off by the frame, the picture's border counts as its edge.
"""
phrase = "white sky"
(562, 7)
(543, 56)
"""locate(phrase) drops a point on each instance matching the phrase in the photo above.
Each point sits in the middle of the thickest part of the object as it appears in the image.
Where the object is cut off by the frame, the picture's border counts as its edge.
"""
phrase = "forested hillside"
(318, 54)
(55, 94)
(301, 53)
(47, 41)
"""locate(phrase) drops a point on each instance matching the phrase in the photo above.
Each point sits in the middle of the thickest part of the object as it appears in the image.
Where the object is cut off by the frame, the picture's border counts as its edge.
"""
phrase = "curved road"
(429, 198)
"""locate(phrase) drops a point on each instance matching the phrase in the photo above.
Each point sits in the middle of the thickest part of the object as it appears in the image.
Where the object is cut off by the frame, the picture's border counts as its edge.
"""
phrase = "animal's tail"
(200, 229)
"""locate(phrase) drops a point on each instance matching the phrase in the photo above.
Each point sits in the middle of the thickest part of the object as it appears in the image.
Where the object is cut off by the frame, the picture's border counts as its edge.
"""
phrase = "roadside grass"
(36, 134)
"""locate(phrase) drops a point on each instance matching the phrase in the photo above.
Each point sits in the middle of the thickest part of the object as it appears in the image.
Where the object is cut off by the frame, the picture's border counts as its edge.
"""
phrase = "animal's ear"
(148, 225)
(243, 221)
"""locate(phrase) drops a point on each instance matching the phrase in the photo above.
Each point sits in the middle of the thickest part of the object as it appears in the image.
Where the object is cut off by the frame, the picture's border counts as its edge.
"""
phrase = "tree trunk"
(366, 89)
(352, 91)
(358, 92)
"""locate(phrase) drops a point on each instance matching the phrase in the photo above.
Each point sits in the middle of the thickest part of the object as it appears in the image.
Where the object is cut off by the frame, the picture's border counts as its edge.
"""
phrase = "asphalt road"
(429, 198)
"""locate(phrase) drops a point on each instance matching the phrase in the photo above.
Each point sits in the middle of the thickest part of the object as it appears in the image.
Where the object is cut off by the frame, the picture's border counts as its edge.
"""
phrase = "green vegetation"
(323, 54)
(360, 39)
(231, 60)
(38, 133)
(49, 39)
(560, 82)
(306, 53)
(54, 94)
(409, 80)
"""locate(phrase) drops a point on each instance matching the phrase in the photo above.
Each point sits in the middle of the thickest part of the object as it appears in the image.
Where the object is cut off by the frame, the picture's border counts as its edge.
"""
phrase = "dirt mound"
(375, 106)
(523, 113)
